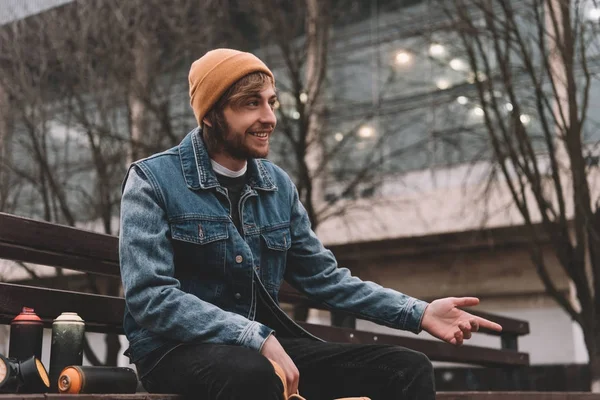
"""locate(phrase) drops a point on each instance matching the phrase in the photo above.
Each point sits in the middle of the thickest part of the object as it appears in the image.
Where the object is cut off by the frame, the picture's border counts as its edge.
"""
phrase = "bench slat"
(76, 262)
(136, 396)
(85, 251)
(39, 236)
(56, 396)
(105, 314)
(436, 350)
(439, 396)
(288, 294)
(101, 313)
(517, 396)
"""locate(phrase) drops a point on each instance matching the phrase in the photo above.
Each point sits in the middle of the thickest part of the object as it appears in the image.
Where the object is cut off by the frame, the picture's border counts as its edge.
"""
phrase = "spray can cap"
(69, 380)
(27, 315)
(69, 317)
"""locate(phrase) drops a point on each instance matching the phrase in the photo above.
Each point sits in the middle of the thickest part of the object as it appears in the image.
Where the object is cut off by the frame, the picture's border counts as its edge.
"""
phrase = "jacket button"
(237, 296)
(239, 259)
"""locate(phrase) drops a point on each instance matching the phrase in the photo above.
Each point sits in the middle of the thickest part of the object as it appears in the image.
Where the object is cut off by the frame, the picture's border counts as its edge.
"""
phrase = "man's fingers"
(458, 336)
(293, 387)
(474, 325)
(273, 351)
(466, 301)
(293, 379)
(466, 329)
(484, 323)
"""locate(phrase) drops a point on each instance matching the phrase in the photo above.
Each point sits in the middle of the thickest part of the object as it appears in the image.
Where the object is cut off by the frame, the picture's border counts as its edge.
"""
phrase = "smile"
(260, 134)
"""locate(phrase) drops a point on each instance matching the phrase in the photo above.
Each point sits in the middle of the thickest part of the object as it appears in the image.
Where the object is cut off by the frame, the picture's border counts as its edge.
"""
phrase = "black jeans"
(327, 371)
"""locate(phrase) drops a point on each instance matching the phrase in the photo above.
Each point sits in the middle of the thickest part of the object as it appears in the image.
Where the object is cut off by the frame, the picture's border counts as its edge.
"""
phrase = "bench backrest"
(44, 243)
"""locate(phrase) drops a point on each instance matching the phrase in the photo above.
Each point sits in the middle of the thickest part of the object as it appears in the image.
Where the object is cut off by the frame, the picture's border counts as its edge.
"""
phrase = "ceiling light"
(478, 112)
(296, 115)
(508, 107)
(339, 136)
(594, 14)
(458, 65)
(403, 58)
(366, 131)
(436, 50)
(525, 119)
(462, 100)
(303, 97)
(442, 83)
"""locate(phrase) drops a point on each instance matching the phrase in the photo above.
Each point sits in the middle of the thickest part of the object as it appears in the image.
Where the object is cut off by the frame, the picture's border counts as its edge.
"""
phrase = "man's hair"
(234, 96)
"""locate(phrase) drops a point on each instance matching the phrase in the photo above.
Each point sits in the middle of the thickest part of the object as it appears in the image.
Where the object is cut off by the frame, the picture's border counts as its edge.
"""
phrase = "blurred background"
(440, 147)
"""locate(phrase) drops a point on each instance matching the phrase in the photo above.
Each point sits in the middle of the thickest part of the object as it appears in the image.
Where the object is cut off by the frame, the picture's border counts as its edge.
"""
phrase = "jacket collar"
(198, 171)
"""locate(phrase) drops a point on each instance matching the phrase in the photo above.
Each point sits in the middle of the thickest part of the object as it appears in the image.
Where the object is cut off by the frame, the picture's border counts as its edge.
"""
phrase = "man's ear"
(206, 122)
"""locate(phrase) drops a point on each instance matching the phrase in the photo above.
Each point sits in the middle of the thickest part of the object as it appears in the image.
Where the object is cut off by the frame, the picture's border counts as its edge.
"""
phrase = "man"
(209, 230)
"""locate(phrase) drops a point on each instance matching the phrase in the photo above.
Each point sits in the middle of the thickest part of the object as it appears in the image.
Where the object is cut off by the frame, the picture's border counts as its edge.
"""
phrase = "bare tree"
(108, 85)
(532, 65)
(332, 169)
(89, 94)
(9, 191)
(296, 39)
(24, 84)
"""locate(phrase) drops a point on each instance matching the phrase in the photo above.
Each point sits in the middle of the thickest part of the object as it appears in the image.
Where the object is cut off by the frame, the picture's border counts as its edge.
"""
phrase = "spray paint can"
(77, 379)
(27, 376)
(26, 333)
(67, 345)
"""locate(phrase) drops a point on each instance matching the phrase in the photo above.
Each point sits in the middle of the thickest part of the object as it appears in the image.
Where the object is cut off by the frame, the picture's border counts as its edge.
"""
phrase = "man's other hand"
(272, 349)
(444, 320)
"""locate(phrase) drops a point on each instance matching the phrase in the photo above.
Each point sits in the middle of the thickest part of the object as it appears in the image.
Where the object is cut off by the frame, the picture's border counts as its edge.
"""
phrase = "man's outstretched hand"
(444, 320)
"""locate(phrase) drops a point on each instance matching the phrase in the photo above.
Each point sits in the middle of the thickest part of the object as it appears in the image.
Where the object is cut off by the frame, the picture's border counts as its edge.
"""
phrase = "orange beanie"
(213, 73)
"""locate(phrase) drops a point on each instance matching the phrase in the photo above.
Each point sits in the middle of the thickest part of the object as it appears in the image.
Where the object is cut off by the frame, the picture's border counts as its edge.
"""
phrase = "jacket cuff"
(254, 335)
(415, 318)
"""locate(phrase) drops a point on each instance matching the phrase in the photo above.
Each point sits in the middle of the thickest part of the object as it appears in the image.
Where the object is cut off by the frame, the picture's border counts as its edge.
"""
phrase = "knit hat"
(213, 73)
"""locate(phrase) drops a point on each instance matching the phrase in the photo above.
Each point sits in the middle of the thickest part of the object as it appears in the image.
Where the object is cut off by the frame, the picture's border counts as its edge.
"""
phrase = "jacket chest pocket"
(200, 247)
(275, 244)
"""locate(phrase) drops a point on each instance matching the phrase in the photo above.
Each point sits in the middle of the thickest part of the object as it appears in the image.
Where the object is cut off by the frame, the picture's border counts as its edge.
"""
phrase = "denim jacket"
(189, 275)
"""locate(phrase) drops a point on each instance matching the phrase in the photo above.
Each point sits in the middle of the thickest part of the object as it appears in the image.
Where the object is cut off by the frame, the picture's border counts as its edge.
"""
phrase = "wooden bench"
(37, 242)
(439, 396)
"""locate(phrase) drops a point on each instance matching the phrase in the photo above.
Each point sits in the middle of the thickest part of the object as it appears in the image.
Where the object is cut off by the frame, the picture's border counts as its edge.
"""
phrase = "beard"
(235, 145)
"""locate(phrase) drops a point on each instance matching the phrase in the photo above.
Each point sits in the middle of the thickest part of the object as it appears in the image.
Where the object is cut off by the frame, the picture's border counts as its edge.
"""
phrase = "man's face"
(250, 123)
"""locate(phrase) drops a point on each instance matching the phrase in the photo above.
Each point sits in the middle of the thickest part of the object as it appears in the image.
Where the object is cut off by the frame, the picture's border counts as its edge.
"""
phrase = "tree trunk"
(317, 36)
(5, 132)
(3, 120)
(137, 127)
(138, 118)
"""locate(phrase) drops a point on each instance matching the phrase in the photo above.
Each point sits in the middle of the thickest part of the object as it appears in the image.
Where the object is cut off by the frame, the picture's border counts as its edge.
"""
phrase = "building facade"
(400, 102)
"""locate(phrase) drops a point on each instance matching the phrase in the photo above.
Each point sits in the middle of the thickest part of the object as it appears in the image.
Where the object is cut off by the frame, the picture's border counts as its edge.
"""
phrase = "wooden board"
(68, 247)
(436, 350)
(54, 245)
(101, 313)
(439, 396)
(288, 294)
(517, 396)
(105, 314)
